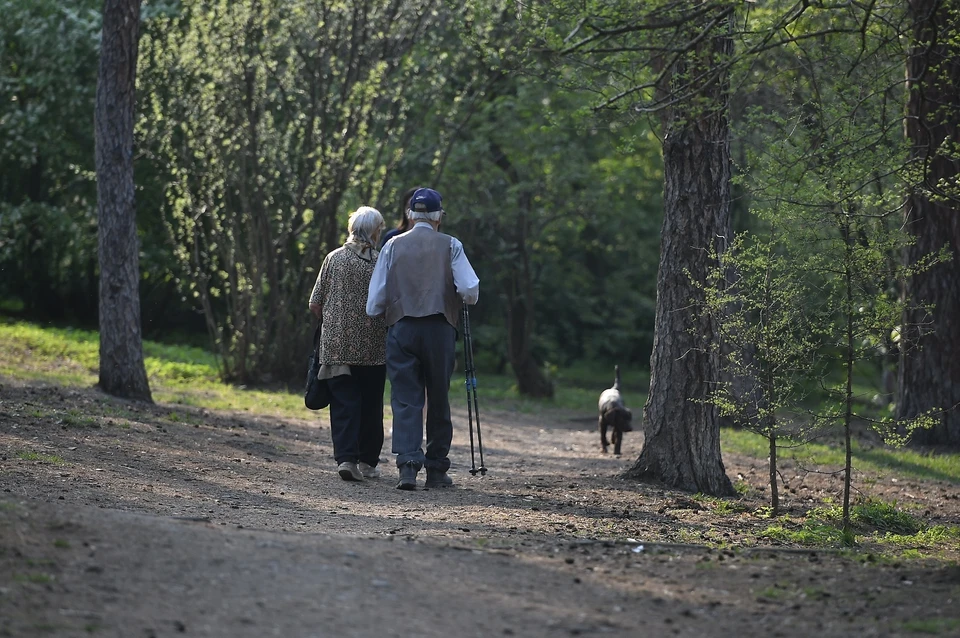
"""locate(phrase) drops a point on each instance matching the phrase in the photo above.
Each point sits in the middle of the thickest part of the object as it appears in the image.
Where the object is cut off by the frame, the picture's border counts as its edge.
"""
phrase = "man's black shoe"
(437, 478)
(408, 477)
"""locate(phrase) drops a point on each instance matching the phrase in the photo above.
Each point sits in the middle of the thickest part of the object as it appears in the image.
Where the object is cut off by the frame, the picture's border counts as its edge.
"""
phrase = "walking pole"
(471, 374)
(468, 372)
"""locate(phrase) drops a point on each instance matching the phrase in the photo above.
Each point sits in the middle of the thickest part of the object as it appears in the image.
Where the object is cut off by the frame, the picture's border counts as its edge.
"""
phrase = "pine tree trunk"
(930, 354)
(122, 371)
(531, 380)
(681, 428)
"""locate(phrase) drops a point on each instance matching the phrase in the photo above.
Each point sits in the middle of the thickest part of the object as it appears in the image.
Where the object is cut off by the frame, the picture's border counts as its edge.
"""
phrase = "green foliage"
(268, 120)
(560, 217)
(824, 152)
(34, 577)
(48, 66)
(933, 534)
(77, 419)
(768, 337)
(332, 122)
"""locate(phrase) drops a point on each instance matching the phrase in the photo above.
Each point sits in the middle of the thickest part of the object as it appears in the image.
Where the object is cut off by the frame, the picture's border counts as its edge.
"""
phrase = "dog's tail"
(616, 380)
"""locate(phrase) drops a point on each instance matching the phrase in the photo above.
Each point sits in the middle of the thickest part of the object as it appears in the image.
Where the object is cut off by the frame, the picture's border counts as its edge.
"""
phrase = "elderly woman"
(353, 348)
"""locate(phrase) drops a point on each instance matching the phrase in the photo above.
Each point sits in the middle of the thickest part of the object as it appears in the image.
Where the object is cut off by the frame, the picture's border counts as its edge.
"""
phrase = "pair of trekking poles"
(473, 408)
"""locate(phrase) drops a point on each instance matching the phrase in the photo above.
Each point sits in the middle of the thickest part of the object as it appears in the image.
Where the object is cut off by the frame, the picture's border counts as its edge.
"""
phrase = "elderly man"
(419, 282)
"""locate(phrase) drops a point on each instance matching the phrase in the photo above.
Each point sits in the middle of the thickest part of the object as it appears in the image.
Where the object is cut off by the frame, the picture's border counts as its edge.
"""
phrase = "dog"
(614, 414)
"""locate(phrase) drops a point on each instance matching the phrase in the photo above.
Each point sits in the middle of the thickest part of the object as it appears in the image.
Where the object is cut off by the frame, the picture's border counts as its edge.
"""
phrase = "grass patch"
(872, 515)
(720, 506)
(902, 462)
(873, 523)
(188, 419)
(923, 542)
(808, 533)
(180, 375)
(43, 458)
(933, 626)
(38, 578)
(775, 592)
(74, 418)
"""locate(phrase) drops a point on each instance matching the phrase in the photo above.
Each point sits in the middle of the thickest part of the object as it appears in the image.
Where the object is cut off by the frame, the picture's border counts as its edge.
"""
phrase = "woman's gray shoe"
(436, 478)
(408, 477)
(369, 471)
(349, 471)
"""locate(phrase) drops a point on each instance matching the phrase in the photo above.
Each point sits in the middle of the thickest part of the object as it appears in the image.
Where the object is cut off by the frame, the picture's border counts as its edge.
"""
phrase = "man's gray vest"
(420, 278)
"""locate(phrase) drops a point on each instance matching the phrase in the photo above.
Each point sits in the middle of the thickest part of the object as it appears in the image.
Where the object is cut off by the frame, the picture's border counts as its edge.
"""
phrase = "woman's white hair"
(415, 215)
(364, 224)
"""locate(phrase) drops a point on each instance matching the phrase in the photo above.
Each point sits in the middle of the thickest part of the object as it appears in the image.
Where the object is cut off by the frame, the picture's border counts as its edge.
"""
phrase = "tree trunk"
(521, 324)
(122, 371)
(930, 352)
(681, 427)
(531, 381)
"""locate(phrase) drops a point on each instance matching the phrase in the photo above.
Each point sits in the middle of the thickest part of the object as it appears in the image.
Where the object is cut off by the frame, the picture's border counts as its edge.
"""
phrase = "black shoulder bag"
(317, 393)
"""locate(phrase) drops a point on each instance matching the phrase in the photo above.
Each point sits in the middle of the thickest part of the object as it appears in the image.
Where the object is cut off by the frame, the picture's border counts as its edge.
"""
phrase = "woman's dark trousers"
(356, 414)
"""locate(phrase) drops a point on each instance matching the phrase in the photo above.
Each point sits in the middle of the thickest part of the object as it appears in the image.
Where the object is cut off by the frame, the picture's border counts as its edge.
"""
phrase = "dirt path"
(122, 520)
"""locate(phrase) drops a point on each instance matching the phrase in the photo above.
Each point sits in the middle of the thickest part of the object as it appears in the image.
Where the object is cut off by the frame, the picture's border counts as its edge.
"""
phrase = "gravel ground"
(121, 519)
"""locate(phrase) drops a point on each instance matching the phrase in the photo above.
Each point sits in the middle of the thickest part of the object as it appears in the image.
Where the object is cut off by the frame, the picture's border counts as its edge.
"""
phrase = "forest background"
(262, 123)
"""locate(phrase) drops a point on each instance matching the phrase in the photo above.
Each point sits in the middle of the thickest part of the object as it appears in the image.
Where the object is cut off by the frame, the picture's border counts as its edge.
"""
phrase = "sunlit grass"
(872, 515)
(809, 532)
(180, 375)
(881, 460)
(40, 458)
(186, 375)
(874, 523)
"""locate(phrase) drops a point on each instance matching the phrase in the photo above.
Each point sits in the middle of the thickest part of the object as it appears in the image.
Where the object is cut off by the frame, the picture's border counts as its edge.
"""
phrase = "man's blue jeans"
(420, 357)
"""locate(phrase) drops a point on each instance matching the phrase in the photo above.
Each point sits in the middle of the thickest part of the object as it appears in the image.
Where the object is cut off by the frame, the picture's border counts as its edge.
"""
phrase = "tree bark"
(521, 324)
(531, 380)
(929, 376)
(122, 372)
(681, 428)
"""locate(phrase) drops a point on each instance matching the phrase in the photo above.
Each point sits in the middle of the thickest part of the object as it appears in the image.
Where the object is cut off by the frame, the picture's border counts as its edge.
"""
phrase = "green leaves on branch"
(271, 120)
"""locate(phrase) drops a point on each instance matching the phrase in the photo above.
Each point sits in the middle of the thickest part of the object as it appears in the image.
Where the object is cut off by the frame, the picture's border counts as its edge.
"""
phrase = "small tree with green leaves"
(825, 171)
(769, 337)
(863, 314)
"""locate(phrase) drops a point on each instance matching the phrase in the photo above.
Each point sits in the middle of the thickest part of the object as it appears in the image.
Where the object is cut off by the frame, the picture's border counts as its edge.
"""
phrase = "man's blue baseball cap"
(426, 200)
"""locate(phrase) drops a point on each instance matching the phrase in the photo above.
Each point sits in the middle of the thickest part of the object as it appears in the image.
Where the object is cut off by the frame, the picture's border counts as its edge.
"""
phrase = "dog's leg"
(603, 434)
(617, 436)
